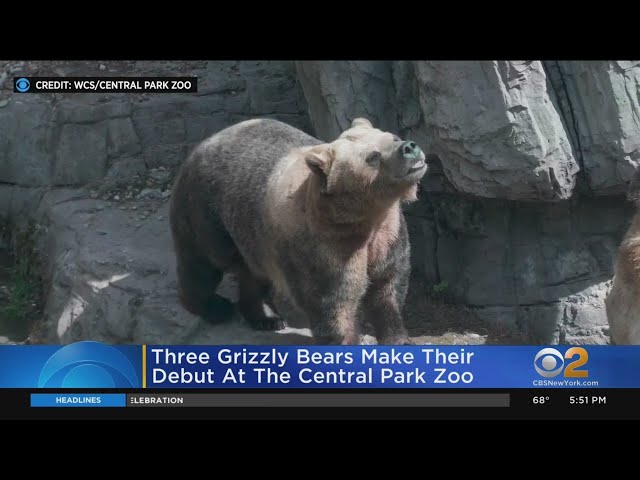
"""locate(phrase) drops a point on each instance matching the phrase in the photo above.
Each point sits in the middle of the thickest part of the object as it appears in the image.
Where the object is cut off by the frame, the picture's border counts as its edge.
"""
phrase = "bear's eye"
(396, 138)
(374, 158)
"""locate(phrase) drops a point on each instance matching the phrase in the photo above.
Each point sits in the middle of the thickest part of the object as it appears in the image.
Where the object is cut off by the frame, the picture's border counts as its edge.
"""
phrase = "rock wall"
(543, 269)
(75, 139)
(512, 130)
(601, 106)
(520, 218)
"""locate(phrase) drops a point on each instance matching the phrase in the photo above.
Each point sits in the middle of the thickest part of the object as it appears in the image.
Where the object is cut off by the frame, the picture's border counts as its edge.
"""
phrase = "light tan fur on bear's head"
(358, 181)
(366, 161)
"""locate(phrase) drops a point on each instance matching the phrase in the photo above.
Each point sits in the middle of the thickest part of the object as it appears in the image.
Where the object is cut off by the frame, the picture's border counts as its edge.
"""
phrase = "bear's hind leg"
(252, 303)
(197, 282)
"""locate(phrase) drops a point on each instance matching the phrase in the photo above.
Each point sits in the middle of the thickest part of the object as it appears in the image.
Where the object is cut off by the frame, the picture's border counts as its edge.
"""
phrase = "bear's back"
(228, 174)
(244, 142)
(240, 159)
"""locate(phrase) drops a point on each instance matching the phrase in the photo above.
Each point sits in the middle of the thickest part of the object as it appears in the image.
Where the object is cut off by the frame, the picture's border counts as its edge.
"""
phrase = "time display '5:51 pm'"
(588, 400)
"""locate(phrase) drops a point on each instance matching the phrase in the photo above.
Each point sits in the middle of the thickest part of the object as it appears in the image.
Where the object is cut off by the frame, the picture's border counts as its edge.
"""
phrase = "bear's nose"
(409, 149)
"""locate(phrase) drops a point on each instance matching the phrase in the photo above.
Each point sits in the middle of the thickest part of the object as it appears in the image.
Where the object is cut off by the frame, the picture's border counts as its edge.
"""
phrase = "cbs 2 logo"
(552, 362)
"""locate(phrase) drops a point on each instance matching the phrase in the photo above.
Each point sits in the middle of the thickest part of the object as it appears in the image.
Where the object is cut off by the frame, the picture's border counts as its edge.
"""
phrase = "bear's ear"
(319, 159)
(361, 122)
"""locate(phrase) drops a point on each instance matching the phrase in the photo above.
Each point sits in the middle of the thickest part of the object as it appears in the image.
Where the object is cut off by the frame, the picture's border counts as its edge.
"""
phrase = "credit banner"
(95, 365)
(105, 84)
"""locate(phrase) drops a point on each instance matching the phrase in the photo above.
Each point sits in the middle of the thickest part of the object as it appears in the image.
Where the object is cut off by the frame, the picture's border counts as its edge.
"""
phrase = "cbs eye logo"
(22, 85)
(549, 362)
(88, 365)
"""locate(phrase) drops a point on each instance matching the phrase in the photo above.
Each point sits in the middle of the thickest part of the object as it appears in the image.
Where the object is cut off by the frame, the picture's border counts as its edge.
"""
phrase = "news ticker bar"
(105, 84)
(309, 400)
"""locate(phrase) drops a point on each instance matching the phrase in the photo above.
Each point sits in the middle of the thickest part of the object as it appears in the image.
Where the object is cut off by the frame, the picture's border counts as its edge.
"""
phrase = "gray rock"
(6, 192)
(198, 127)
(602, 108)
(494, 125)
(160, 175)
(541, 265)
(122, 170)
(122, 138)
(159, 122)
(220, 78)
(26, 142)
(150, 193)
(339, 91)
(88, 109)
(4, 103)
(19, 204)
(219, 103)
(579, 319)
(497, 129)
(272, 87)
(164, 155)
(121, 287)
(82, 154)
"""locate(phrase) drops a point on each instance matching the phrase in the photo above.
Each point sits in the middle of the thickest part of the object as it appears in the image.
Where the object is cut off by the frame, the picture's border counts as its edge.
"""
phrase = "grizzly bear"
(318, 222)
(623, 302)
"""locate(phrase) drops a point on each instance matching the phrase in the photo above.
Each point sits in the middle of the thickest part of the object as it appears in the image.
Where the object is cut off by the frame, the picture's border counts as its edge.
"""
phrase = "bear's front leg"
(333, 322)
(382, 307)
(327, 290)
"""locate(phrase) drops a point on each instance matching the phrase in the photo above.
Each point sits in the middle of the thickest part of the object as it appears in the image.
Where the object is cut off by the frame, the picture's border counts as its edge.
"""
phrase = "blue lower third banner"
(425, 366)
(98, 366)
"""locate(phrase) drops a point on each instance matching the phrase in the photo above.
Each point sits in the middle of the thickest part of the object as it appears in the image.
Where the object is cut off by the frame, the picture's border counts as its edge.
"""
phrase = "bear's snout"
(410, 160)
(410, 150)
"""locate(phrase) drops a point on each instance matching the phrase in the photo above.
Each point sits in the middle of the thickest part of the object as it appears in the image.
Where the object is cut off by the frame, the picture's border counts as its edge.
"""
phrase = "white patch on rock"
(97, 285)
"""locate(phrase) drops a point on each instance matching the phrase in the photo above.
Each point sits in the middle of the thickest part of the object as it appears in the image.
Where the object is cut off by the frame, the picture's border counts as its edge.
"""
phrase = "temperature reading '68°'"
(539, 400)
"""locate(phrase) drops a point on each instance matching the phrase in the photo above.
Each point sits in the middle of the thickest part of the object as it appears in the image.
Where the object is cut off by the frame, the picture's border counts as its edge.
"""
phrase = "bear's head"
(365, 161)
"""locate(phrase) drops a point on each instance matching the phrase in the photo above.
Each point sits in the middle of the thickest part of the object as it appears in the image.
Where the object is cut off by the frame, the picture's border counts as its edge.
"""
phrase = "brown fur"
(623, 302)
(628, 260)
(384, 235)
(320, 223)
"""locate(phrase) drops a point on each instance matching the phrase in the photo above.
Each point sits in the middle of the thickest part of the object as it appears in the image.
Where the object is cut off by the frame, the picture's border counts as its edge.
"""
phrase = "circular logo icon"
(551, 362)
(23, 85)
(88, 365)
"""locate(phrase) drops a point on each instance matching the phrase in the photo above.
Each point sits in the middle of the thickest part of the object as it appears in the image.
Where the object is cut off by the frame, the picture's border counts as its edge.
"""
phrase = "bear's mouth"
(421, 164)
